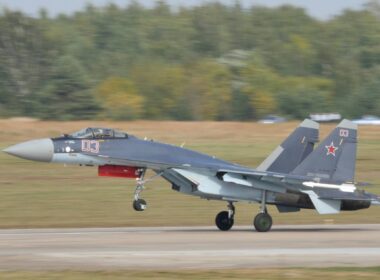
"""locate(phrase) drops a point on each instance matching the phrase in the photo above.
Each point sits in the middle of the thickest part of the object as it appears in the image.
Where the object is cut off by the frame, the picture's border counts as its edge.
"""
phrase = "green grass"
(51, 195)
(286, 273)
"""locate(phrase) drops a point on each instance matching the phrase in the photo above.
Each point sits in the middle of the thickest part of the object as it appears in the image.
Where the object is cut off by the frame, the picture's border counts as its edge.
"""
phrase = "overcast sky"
(322, 9)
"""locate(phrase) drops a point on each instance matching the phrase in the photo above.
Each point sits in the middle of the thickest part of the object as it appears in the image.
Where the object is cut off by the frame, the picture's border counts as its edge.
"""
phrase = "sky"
(321, 9)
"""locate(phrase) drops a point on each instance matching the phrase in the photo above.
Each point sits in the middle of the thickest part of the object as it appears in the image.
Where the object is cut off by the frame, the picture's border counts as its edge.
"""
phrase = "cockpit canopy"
(97, 132)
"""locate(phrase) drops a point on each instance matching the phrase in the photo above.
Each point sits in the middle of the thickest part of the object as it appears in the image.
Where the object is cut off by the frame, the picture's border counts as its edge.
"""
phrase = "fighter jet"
(294, 176)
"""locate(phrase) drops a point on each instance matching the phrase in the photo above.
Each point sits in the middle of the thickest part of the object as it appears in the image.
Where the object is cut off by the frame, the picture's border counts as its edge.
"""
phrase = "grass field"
(289, 273)
(52, 195)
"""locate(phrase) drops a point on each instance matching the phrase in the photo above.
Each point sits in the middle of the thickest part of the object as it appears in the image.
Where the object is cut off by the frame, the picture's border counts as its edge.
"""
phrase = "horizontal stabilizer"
(364, 184)
(376, 202)
(339, 195)
(324, 206)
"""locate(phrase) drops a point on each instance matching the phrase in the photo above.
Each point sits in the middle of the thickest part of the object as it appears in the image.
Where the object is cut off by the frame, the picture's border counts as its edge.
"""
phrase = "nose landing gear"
(140, 204)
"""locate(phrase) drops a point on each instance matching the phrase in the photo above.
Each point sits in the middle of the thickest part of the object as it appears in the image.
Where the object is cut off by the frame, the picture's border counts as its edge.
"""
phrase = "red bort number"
(90, 146)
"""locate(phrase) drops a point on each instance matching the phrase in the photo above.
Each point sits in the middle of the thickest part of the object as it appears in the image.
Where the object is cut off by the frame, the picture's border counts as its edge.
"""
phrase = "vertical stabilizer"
(293, 150)
(334, 159)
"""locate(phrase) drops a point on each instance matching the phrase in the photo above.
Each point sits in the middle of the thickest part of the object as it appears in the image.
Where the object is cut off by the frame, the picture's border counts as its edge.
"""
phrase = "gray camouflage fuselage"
(287, 178)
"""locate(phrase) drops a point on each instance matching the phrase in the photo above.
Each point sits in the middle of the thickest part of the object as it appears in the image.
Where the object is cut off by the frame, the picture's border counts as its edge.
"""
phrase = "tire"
(263, 222)
(223, 222)
(139, 205)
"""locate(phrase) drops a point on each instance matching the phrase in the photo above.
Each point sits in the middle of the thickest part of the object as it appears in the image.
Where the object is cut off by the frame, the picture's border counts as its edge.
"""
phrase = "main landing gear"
(225, 219)
(262, 222)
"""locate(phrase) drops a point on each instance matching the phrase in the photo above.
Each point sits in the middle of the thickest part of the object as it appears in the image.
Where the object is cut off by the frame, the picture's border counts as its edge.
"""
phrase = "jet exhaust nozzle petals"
(37, 150)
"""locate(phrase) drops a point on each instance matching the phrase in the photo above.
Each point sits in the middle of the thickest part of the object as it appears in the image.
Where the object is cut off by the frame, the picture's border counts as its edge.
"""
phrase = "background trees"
(210, 62)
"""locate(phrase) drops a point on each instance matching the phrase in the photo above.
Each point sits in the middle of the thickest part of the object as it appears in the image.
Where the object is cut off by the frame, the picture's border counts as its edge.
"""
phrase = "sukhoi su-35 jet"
(292, 177)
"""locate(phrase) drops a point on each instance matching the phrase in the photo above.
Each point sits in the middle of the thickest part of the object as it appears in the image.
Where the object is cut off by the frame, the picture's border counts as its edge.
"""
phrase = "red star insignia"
(331, 149)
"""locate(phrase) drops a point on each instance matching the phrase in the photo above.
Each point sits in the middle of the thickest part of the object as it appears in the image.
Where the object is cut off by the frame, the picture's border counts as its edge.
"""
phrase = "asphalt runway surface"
(189, 247)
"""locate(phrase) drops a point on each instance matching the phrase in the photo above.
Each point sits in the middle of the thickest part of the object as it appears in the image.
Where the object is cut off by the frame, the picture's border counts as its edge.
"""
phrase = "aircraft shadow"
(274, 230)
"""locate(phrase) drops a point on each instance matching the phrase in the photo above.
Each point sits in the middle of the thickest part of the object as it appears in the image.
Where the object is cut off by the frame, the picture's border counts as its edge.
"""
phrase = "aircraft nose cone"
(38, 150)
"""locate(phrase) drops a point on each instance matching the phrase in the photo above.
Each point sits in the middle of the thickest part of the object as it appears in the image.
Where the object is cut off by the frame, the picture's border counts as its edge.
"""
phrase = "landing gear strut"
(225, 219)
(263, 221)
(138, 203)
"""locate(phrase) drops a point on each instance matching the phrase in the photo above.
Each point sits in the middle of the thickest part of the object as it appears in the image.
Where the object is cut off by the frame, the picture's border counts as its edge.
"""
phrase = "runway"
(189, 247)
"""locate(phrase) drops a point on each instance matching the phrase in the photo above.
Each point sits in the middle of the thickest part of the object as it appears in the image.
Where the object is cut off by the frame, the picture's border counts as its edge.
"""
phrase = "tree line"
(209, 62)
